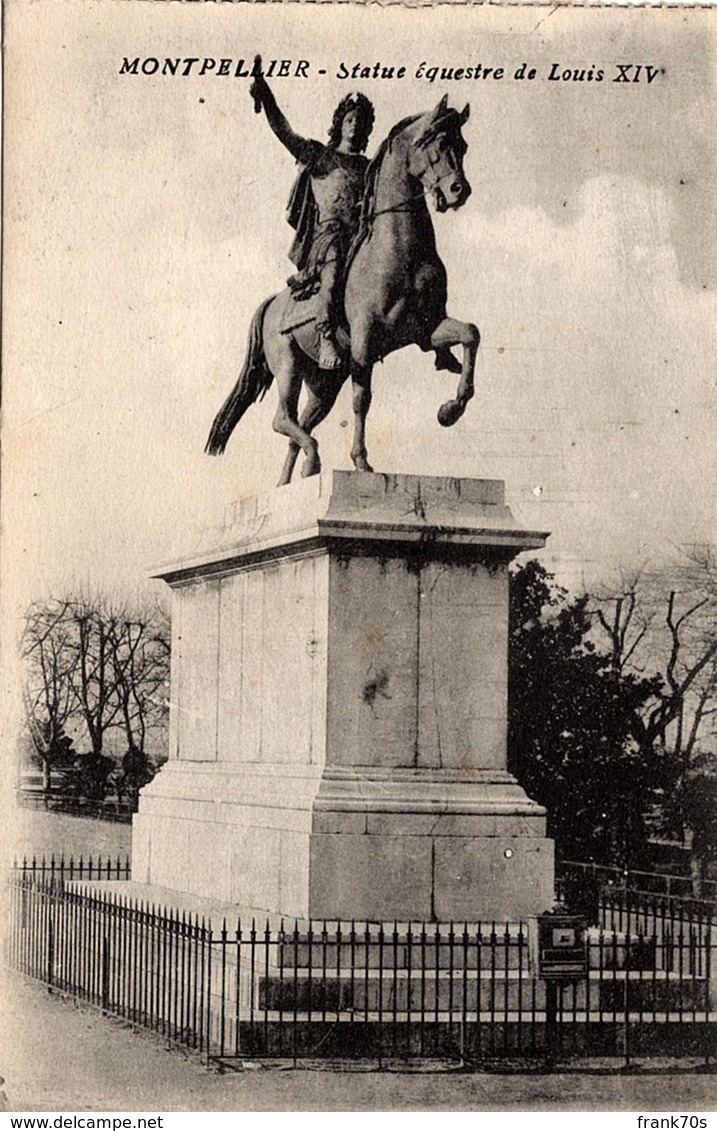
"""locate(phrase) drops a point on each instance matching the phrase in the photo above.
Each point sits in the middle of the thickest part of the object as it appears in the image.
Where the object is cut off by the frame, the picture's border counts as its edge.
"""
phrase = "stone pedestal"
(338, 723)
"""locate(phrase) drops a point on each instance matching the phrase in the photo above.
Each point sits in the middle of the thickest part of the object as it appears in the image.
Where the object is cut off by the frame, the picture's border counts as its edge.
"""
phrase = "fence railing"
(468, 992)
(636, 882)
(56, 801)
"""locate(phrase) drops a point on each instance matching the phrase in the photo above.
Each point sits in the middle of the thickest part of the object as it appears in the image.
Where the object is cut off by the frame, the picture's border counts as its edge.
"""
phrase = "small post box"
(562, 947)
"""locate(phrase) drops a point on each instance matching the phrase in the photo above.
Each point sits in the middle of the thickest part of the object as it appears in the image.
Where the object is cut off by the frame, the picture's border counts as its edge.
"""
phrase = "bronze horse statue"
(395, 295)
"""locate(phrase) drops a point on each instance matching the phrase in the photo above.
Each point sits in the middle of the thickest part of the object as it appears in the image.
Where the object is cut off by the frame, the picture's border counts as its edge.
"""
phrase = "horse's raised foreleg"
(361, 381)
(451, 332)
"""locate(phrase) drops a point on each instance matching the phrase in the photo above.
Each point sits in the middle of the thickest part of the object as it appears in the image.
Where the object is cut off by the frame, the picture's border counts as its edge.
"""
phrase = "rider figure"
(324, 206)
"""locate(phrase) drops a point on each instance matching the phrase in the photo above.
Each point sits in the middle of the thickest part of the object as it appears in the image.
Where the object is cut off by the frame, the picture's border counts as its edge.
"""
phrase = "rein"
(405, 205)
(408, 202)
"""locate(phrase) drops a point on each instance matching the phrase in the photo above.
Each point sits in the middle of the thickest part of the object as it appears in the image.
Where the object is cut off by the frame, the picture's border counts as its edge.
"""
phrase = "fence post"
(551, 1022)
(210, 941)
(626, 1001)
(105, 973)
(222, 1007)
(50, 946)
(708, 943)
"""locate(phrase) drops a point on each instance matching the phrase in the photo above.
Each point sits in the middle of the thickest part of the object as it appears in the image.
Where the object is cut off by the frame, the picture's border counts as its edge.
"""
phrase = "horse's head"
(436, 157)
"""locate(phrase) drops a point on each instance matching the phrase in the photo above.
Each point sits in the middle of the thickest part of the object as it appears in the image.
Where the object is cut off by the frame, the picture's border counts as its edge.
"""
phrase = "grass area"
(33, 832)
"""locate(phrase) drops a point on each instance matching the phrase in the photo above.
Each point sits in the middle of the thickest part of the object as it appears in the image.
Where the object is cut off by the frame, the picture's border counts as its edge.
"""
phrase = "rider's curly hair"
(364, 108)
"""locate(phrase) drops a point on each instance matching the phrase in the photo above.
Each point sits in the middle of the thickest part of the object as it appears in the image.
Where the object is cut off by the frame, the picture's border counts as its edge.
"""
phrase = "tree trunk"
(697, 868)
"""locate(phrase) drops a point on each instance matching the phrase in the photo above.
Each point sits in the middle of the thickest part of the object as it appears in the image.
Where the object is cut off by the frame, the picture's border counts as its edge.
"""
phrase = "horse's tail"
(254, 380)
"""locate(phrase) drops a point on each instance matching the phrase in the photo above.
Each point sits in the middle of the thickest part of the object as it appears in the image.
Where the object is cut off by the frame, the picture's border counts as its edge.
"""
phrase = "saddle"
(298, 318)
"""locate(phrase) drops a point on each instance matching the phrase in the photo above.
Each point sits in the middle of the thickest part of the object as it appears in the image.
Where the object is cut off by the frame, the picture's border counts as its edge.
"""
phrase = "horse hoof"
(450, 412)
(362, 464)
(310, 468)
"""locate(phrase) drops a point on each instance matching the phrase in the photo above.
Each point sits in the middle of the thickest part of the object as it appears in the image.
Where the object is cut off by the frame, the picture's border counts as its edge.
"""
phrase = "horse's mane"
(368, 203)
(374, 166)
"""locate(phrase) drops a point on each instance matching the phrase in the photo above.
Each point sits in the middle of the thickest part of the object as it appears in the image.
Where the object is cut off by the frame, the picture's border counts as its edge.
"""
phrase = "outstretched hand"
(259, 86)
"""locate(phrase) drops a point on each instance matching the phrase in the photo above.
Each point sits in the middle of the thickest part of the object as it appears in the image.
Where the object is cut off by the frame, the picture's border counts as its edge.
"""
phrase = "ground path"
(57, 1057)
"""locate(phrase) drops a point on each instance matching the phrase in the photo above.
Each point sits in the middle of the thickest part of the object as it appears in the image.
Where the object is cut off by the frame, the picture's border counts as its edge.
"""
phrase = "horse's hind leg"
(289, 463)
(318, 405)
(288, 379)
(451, 332)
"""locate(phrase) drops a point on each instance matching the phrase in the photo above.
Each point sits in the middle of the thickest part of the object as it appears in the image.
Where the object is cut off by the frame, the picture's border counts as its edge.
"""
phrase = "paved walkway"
(57, 1057)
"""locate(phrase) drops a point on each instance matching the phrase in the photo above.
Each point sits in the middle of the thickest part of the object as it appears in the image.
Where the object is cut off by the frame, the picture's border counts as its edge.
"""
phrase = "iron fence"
(149, 965)
(469, 992)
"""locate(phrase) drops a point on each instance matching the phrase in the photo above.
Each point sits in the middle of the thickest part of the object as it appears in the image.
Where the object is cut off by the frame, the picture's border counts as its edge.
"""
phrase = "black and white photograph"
(359, 559)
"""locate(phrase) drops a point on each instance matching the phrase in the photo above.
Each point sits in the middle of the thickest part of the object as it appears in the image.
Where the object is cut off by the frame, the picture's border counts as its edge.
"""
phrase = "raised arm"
(300, 148)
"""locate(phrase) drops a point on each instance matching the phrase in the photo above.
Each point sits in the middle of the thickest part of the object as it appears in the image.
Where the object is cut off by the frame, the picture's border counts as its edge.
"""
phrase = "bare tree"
(625, 618)
(665, 622)
(140, 658)
(97, 665)
(95, 626)
(50, 658)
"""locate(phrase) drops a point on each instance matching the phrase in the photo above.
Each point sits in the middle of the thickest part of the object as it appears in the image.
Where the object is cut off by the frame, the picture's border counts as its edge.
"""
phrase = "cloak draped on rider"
(302, 214)
(326, 233)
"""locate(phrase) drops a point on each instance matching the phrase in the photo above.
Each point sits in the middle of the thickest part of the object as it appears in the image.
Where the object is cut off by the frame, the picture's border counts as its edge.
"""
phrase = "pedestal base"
(339, 702)
(430, 845)
(239, 834)
(421, 845)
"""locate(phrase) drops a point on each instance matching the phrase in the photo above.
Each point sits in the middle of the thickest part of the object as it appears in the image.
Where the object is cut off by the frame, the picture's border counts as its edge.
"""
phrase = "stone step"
(499, 951)
(439, 992)
(398, 953)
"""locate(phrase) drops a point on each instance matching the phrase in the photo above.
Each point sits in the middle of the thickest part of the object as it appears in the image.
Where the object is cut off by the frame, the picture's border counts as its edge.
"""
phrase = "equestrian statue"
(368, 277)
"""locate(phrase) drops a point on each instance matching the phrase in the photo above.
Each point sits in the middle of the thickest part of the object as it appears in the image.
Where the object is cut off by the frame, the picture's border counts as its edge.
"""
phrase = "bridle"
(427, 144)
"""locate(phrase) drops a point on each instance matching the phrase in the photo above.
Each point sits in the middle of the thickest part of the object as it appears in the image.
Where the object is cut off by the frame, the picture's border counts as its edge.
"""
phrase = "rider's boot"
(446, 360)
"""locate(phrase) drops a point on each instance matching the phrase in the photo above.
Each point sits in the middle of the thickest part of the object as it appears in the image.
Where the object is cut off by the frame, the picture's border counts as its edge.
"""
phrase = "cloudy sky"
(145, 222)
